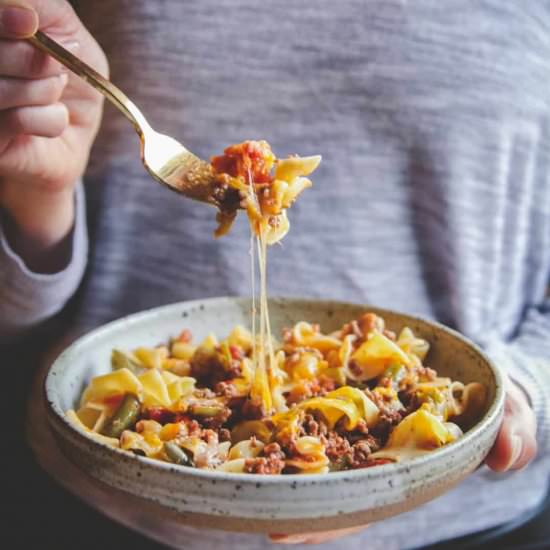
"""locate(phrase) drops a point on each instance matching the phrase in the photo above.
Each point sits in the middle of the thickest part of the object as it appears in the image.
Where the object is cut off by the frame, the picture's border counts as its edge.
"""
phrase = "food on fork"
(267, 186)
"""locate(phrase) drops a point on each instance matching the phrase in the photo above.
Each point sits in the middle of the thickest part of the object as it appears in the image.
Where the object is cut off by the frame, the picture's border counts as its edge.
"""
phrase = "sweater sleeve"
(526, 359)
(27, 298)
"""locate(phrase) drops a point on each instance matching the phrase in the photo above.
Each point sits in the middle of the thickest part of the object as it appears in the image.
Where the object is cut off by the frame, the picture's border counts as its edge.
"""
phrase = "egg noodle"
(312, 403)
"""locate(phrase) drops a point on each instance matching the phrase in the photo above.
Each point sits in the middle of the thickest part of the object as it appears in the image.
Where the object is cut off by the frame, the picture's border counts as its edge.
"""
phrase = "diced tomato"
(114, 400)
(236, 352)
(225, 165)
(250, 159)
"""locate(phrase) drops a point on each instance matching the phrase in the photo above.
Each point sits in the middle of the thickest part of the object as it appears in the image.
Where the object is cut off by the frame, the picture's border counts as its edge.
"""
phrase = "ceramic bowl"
(252, 503)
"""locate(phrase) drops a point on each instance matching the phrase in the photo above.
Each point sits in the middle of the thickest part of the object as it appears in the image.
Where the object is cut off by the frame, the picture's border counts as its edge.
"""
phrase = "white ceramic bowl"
(247, 502)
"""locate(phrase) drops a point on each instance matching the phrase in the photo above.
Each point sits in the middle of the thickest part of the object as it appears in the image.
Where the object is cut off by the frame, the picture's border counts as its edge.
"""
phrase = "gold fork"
(167, 160)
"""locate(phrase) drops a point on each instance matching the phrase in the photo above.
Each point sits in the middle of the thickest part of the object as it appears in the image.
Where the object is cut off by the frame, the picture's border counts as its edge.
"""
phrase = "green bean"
(338, 465)
(125, 417)
(205, 410)
(123, 360)
(177, 455)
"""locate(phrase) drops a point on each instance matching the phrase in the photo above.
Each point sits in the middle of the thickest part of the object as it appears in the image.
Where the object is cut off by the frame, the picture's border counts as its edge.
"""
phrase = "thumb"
(22, 18)
(17, 20)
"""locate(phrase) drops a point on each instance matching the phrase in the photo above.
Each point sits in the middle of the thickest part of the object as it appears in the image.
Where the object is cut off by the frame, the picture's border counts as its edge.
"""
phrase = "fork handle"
(107, 88)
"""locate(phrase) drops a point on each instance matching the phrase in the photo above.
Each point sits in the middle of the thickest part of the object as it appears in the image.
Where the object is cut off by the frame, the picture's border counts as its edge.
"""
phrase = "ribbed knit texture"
(433, 196)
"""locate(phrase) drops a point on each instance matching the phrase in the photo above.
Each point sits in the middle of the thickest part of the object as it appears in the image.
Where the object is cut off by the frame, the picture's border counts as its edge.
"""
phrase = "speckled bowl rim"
(292, 480)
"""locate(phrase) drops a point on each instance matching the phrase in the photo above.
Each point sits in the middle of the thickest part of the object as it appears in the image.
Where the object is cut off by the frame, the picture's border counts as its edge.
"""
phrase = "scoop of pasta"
(267, 186)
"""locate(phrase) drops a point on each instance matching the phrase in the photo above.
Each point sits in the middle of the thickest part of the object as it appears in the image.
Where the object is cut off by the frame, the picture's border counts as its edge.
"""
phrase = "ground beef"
(381, 401)
(313, 424)
(233, 369)
(205, 364)
(388, 416)
(317, 387)
(326, 385)
(365, 325)
(273, 449)
(252, 410)
(360, 452)
(204, 393)
(310, 425)
(362, 427)
(386, 422)
(224, 434)
(217, 420)
(287, 439)
(203, 429)
(192, 426)
(211, 366)
(226, 198)
(359, 456)
(225, 389)
(208, 435)
(410, 402)
(271, 462)
(336, 446)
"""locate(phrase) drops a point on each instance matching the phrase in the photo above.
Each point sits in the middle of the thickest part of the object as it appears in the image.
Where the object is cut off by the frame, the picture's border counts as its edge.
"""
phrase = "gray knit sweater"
(433, 118)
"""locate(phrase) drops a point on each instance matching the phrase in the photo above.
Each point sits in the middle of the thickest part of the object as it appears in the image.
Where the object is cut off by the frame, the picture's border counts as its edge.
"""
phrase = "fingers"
(516, 443)
(16, 92)
(44, 121)
(22, 60)
(31, 85)
(48, 121)
(315, 538)
(17, 21)
(507, 448)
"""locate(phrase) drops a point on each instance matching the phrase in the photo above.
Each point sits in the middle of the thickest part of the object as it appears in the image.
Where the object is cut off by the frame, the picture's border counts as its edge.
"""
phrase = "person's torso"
(433, 120)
